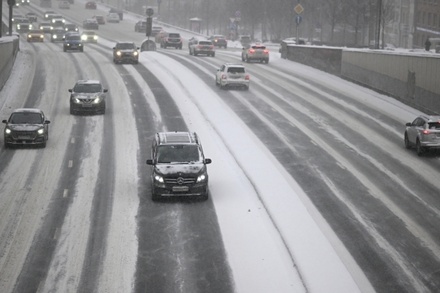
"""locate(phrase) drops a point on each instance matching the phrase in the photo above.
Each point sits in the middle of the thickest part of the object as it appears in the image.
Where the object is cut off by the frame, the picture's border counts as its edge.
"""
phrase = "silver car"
(255, 52)
(202, 47)
(232, 75)
(423, 134)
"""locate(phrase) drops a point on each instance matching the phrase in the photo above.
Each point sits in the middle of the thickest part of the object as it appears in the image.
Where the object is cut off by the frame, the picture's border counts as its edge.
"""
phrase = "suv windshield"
(87, 88)
(125, 46)
(178, 154)
(26, 118)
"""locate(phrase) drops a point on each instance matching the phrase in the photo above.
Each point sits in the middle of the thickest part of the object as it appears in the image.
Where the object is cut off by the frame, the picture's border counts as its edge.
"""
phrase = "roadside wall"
(9, 46)
(413, 78)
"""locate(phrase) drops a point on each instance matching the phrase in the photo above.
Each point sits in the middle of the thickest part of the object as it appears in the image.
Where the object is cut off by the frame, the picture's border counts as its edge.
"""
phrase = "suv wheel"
(406, 140)
(419, 149)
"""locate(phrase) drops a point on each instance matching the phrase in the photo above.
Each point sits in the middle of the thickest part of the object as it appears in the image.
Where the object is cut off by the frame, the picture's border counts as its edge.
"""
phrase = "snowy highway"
(311, 187)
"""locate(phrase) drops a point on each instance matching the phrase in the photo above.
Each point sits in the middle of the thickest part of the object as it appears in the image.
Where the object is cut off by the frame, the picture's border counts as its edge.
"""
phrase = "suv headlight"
(201, 178)
(8, 131)
(97, 100)
(135, 53)
(40, 131)
(158, 178)
(118, 53)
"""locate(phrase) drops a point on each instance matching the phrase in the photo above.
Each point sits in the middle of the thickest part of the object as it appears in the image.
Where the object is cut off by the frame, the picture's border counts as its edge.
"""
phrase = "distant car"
(24, 26)
(155, 30)
(16, 18)
(90, 24)
(100, 19)
(140, 26)
(70, 27)
(87, 96)
(73, 42)
(48, 14)
(245, 40)
(178, 166)
(117, 11)
(58, 21)
(192, 41)
(26, 126)
(57, 35)
(112, 17)
(255, 52)
(202, 47)
(90, 5)
(159, 37)
(32, 16)
(219, 41)
(172, 40)
(125, 52)
(423, 134)
(63, 5)
(89, 37)
(232, 75)
(35, 35)
(46, 27)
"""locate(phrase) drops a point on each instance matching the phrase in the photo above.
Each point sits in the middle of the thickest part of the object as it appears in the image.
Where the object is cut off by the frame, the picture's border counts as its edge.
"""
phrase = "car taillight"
(426, 131)
(266, 51)
(247, 77)
(252, 51)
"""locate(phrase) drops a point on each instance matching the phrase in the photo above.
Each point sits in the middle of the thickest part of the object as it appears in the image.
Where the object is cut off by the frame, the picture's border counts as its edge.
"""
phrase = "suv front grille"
(180, 181)
(24, 134)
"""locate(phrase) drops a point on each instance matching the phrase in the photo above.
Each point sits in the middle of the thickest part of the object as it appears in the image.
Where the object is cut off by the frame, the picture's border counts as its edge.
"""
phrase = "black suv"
(125, 52)
(140, 26)
(26, 126)
(179, 166)
(87, 96)
(73, 42)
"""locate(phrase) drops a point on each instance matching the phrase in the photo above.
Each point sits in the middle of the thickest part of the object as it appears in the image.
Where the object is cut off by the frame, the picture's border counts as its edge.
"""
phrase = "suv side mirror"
(150, 162)
(408, 124)
(69, 90)
(105, 90)
(208, 161)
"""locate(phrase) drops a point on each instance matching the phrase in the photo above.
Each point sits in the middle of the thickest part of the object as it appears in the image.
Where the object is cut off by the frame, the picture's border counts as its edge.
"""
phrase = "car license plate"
(180, 188)
(24, 137)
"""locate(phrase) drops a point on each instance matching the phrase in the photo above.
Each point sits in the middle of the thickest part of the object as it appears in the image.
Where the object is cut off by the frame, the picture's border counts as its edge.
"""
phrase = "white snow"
(276, 241)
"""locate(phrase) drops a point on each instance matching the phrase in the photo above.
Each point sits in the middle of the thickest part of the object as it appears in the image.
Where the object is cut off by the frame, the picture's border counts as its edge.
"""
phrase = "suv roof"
(177, 137)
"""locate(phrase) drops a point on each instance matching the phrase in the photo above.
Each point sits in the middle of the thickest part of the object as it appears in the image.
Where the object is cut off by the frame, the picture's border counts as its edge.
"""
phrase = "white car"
(232, 75)
(113, 17)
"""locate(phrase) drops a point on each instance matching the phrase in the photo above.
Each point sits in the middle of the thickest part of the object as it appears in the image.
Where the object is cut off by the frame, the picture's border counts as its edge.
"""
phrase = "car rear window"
(205, 43)
(174, 35)
(236, 69)
(434, 125)
(258, 47)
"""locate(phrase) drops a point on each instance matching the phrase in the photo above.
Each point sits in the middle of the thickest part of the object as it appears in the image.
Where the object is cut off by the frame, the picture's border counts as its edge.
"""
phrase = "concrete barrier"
(9, 46)
(411, 77)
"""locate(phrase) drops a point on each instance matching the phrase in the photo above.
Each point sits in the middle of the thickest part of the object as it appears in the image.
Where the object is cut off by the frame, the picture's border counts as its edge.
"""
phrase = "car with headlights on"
(24, 26)
(35, 35)
(57, 35)
(232, 75)
(178, 166)
(87, 96)
(219, 41)
(125, 52)
(70, 27)
(89, 37)
(46, 27)
(73, 42)
(423, 134)
(202, 47)
(255, 52)
(26, 126)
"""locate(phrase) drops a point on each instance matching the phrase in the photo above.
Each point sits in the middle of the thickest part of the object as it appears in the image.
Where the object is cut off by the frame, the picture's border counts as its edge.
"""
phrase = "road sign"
(298, 8)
